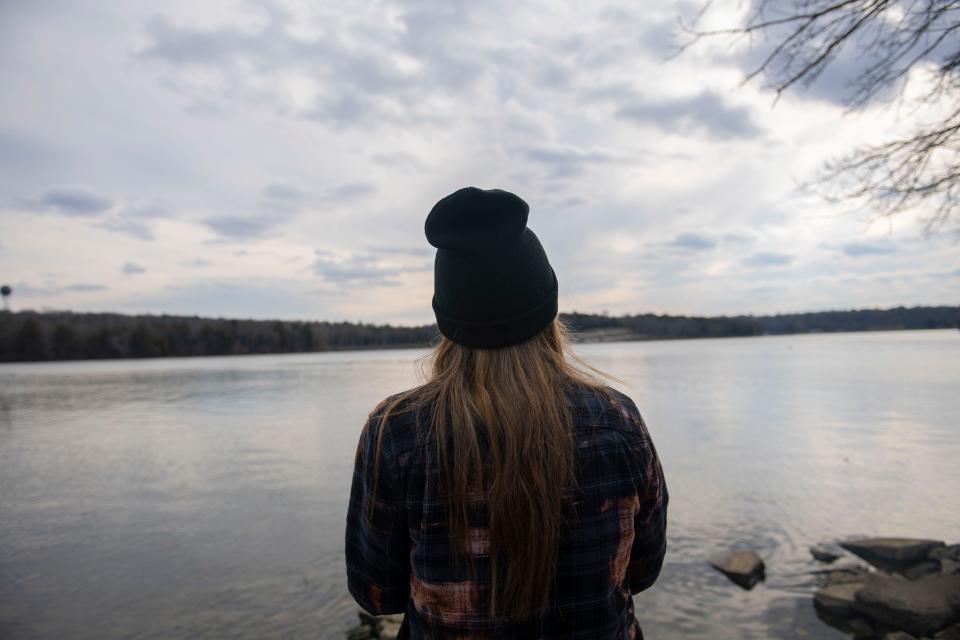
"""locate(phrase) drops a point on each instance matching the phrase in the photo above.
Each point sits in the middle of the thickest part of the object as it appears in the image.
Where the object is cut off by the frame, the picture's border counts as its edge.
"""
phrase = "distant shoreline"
(29, 336)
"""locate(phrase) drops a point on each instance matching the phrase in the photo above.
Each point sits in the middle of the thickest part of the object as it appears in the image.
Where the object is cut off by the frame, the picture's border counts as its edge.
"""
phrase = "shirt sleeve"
(650, 523)
(377, 539)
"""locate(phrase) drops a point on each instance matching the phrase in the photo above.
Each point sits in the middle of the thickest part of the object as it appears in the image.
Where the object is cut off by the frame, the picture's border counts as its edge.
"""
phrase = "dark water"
(205, 498)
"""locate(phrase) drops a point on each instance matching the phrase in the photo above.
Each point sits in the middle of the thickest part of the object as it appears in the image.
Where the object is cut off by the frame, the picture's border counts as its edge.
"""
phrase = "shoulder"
(607, 407)
(398, 408)
(612, 419)
(393, 422)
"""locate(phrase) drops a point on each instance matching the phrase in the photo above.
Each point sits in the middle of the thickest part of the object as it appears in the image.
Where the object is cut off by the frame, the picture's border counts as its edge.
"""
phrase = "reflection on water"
(206, 497)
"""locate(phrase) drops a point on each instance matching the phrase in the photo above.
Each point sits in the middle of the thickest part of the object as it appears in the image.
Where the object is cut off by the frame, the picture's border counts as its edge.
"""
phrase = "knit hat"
(493, 284)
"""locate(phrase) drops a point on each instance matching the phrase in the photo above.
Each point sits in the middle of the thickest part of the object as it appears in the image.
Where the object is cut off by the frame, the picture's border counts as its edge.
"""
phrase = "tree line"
(64, 335)
(651, 326)
(32, 336)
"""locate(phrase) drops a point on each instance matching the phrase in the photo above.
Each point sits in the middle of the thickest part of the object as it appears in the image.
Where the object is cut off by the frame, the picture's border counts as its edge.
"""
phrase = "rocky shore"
(909, 588)
(904, 589)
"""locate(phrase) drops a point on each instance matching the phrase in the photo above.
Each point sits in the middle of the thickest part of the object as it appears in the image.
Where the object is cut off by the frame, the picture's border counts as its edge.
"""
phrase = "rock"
(388, 628)
(949, 552)
(743, 567)
(920, 569)
(861, 628)
(887, 553)
(950, 633)
(383, 627)
(840, 575)
(857, 626)
(898, 635)
(837, 600)
(826, 552)
(392, 617)
(920, 606)
(360, 632)
(949, 567)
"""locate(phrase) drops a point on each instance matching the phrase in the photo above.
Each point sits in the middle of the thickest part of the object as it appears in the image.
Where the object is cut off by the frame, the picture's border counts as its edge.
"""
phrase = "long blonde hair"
(515, 399)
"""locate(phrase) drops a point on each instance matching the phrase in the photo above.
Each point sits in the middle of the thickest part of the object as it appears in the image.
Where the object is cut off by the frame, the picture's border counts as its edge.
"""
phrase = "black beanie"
(493, 284)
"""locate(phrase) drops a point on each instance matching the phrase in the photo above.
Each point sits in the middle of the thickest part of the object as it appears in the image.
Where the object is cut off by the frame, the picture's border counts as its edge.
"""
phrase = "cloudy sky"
(277, 160)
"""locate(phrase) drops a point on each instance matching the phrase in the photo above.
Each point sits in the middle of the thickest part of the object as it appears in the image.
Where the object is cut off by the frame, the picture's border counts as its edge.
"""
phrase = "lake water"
(206, 497)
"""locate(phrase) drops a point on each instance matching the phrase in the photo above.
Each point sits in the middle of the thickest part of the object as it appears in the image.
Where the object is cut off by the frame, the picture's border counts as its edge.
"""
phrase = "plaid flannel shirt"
(402, 559)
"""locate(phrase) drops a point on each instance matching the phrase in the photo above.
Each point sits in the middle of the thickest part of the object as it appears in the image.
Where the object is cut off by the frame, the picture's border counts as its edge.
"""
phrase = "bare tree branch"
(919, 172)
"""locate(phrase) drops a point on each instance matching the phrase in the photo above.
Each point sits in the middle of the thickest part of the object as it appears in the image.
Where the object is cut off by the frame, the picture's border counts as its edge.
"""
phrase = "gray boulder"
(920, 569)
(840, 575)
(949, 552)
(743, 567)
(949, 567)
(837, 600)
(950, 633)
(861, 628)
(887, 553)
(826, 552)
(920, 607)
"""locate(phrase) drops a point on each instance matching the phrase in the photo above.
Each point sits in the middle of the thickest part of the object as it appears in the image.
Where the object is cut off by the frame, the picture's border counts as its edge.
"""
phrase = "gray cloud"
(136, 220)
(573, 201)
(767, 259)
(360, 269)
(130, 269)
(189, 45)
(693, 241)
(366, 71)
(71, 201)
(617, 92)
(134, 228)
(81, 202)
(350, 191)
(151, 211)
(244, 227)
(399, 160)
(366, 78)
(865, 248)
(280, 203)
(705, 112)
(565, 162)
(738, 238)
(282, 191)
(26, 290)
(441, 38)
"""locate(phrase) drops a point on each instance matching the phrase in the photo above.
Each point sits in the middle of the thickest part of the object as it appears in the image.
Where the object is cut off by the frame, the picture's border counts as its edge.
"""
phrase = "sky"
(278, 160)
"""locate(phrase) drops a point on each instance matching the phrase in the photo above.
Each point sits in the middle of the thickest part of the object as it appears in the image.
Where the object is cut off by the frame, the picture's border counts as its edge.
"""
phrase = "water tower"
(5, 291)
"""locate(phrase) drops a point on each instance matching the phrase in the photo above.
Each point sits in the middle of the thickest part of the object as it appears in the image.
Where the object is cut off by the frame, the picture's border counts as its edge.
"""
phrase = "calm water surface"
(206, 497)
